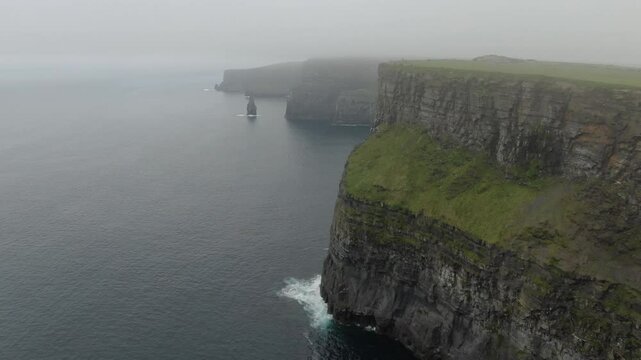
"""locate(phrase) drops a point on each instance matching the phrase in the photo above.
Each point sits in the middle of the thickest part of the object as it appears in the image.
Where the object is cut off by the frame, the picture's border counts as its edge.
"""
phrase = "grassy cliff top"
(542, 217)
(600, 74)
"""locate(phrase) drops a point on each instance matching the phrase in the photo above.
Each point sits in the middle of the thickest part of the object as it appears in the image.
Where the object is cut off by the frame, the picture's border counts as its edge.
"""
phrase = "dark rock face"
(335, 90)
(447, 295)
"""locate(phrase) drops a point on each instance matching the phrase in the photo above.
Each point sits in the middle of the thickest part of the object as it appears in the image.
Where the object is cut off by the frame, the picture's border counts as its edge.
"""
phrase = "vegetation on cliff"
(545, 217)
(494, 214)
(600, 74)
(404, 167)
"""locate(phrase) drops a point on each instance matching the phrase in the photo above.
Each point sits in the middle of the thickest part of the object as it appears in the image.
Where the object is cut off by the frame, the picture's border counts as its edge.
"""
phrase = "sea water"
(140, 218)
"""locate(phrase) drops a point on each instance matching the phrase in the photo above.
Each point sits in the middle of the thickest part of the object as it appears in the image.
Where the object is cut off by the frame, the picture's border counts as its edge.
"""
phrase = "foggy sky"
(254, 32)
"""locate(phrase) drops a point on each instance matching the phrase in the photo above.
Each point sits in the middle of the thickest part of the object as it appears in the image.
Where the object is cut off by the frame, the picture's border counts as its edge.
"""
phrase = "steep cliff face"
(355, 107)
(335, 90)
(493, 216)
(571, 128)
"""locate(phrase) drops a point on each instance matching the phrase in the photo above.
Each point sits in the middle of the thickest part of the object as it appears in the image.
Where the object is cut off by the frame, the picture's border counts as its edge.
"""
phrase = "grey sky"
(251, 32)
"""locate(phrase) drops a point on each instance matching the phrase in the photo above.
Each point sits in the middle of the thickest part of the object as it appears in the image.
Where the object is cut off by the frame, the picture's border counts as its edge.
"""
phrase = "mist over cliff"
(329, 90)
(238, 34)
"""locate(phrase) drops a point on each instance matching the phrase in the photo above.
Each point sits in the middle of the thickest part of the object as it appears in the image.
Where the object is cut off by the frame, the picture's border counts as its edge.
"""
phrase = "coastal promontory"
(495, 212)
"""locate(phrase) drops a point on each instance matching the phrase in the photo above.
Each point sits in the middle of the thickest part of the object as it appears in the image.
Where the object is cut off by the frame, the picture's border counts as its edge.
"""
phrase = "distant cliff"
(341, 91)
(337, 91)
(271, 81)
(494, 214)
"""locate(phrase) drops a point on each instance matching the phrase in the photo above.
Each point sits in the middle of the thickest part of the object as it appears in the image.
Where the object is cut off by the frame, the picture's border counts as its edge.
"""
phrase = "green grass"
(567, 224)
(601, 74)
(403, 166)
(518, 209)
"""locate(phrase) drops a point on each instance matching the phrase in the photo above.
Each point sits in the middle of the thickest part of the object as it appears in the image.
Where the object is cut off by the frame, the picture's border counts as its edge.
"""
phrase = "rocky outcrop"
(446, 293)
(336, 91)
(268, 81)
(251, 107)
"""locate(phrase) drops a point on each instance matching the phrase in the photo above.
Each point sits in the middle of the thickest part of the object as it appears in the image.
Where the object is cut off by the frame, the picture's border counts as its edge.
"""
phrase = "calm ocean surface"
(140, 218)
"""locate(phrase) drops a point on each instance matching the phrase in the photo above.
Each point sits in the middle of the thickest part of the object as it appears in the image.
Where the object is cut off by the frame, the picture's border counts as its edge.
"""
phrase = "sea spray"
(307, 293)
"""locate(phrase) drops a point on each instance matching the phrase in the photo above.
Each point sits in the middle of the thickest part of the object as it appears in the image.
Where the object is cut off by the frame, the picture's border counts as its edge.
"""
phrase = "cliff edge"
(495, 213)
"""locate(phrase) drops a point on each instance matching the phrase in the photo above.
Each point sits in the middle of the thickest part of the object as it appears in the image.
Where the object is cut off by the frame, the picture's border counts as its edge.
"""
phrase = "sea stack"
(251, 107)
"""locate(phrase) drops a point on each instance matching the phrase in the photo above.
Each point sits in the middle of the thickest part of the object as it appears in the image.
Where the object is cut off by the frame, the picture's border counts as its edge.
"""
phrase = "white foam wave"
(307, 293)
